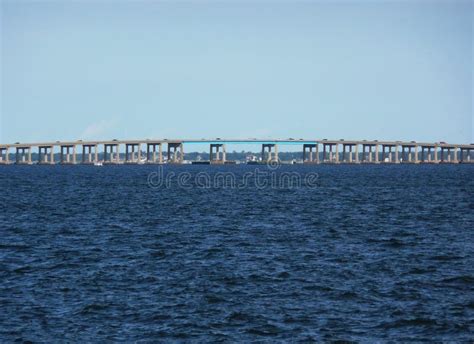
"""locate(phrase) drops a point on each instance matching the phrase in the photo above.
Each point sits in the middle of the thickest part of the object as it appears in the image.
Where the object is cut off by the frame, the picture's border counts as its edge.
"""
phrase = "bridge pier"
(328, 155)
(130, 153)
(43, 153)
(68, 159)
(369, 154)
(178, 153)
(468, 155)
(21, 157)
(87, 152)
(267, 154)
(449, 154)
(429, 156)
(455, 154)
(435, 154)
(111, 153)
(423, 153)
(349, 153)
(389, 158)
(4, 157)
(214, 153)
(308, 157)
(151, 150)
(411, 154)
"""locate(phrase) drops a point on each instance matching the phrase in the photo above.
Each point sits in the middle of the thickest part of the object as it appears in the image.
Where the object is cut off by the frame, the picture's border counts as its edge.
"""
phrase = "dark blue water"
(370, 253)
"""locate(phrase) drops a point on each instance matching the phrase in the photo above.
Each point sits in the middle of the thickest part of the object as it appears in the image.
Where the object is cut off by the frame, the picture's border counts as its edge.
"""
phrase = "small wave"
(315, 287)
(394, 243)
(443, 258)
(420, 271)
(22, 269)
(425, 322)
(93, 308)
(283, 274)
(239, 316)
(212, 299)
(265, 330)
(460, 279)
(14, 246)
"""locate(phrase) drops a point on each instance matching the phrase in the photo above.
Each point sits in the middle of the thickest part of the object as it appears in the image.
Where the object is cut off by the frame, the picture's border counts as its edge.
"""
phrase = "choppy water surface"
(371, 253)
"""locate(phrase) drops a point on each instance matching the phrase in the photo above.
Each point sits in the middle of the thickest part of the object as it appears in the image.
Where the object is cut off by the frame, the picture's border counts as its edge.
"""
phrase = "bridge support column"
(106, 153)
(178, 153)
(4, 159)
(270, 156)
(61, 154)
(96, 153)
(126, 152)
(215, 156)
(308, 156)
(387, 156)
(20, 155)
(151, 150)
(347, 152)
(87, 152)
(65, 151)
(465, 155)
(43, 153)
(130, 153)
(109, 150)
(117, 154)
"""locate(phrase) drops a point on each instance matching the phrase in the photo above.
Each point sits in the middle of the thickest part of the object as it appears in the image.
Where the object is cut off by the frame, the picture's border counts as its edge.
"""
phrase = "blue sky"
(353, 69)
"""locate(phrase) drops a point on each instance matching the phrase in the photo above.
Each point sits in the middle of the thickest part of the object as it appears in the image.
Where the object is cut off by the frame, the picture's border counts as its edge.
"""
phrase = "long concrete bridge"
(172, 151)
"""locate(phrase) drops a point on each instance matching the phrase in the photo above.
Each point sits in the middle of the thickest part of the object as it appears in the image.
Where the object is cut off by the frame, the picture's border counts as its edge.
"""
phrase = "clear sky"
(149, 69)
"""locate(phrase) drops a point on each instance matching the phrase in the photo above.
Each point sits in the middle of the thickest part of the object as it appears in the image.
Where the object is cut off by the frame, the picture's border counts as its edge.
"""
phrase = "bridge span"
(160, 151)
